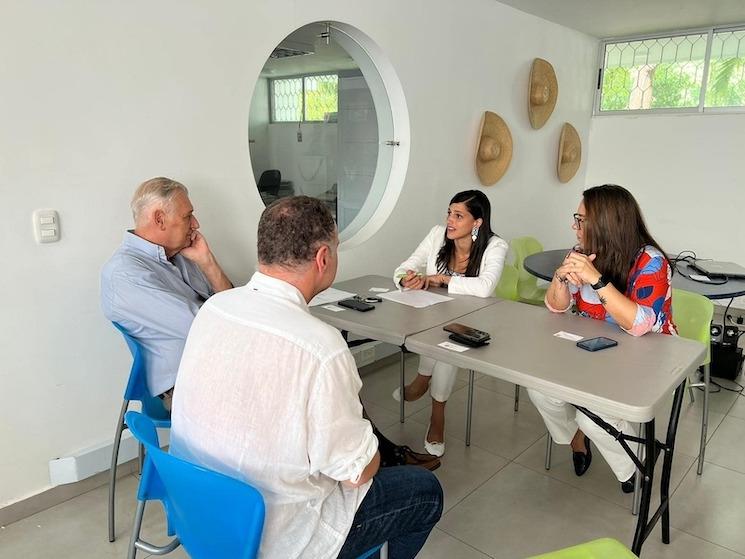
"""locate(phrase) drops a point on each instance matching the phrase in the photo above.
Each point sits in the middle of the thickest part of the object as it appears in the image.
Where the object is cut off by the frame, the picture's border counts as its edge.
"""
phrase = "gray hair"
(160, 190)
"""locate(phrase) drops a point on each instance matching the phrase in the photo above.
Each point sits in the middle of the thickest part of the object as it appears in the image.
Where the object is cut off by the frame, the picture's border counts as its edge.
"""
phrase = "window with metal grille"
(682, 72)
(304, 98)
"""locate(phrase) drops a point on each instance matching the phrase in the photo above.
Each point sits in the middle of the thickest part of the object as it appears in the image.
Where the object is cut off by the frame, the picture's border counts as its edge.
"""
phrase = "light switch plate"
(46, 226)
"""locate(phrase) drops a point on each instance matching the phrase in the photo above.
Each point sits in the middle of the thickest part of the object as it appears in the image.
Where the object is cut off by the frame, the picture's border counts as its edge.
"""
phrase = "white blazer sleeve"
(486, 282)
(424, 254)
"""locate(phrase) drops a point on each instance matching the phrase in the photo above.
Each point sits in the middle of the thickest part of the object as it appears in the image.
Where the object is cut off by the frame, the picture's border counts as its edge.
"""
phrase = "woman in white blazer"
(466, 257)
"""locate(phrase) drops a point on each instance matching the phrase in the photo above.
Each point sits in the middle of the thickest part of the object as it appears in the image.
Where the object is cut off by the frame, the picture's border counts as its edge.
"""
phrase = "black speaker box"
(726, 360)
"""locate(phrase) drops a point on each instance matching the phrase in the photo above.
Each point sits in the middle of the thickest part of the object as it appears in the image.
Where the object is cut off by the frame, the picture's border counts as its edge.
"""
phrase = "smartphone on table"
(596, 344)
(355, 304)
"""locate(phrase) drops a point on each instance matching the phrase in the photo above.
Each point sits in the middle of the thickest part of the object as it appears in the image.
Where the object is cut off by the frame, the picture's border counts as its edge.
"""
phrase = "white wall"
(98, 96)
(687, 173)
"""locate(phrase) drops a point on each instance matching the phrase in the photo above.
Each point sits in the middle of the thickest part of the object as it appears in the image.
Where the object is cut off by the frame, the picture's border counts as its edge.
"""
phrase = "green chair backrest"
(522, 247)
(605, 548)
(692, 314)
(507, 286)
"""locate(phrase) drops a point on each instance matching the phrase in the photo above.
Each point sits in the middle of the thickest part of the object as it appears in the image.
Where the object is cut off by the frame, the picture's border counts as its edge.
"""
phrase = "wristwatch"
(600, 283)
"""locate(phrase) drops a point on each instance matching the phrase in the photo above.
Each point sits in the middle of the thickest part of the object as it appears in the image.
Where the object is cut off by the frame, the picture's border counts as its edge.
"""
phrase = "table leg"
(401, 384)
(470, 407)
(648, 475)
(638, 481)
(667, 464)
(704, 421)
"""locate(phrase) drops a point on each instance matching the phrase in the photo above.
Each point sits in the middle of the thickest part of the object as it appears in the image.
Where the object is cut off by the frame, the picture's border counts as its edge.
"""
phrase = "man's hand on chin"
(199, 251)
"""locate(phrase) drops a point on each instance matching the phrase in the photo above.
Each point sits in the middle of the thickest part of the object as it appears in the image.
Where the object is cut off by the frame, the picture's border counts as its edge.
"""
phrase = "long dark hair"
(479, 207)
(614, 231)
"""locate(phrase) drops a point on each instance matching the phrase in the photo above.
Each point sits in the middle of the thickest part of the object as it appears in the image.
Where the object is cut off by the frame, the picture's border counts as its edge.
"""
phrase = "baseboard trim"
(59, 494)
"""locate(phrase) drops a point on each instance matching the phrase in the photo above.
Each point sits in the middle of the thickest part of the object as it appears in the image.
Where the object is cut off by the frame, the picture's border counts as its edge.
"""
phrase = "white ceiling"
(614, 18)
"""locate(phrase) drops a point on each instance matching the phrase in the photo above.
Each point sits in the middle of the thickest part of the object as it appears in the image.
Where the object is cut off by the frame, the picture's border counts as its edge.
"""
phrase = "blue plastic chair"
(152, 407)
(212, 515)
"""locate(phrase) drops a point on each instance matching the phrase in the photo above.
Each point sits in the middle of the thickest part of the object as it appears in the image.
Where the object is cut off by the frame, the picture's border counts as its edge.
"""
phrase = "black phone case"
(467, 341)
(356, 305)
(475, 336)
(582, 344)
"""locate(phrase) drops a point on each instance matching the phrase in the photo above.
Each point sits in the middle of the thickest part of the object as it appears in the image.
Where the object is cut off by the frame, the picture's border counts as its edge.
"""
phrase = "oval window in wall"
(328, 119)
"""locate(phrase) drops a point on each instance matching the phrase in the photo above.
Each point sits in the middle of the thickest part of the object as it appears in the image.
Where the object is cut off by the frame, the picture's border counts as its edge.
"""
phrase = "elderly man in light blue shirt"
(158, 278)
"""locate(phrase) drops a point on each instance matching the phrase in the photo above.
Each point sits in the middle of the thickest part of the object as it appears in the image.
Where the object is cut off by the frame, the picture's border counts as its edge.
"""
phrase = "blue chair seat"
(212, 515)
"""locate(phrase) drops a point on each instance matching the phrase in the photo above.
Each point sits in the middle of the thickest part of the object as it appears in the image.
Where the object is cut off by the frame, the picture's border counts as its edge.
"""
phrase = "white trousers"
(443, 377)
(563, 419)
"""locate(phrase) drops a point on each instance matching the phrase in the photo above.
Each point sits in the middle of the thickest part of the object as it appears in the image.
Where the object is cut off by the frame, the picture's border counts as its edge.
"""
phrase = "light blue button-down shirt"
(155, 299)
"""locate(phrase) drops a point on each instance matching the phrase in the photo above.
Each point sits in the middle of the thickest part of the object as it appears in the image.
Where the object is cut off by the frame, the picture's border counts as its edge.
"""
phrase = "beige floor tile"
(599, 479)
(738, 408)
(726, 446)
(519, 513)
(688, 438)
(719, 401)
(496, 427)
(443, 546)
(684, 546)
(381, 417)
(463, 468)
(78, 528)
(500, 386)
(711, 506)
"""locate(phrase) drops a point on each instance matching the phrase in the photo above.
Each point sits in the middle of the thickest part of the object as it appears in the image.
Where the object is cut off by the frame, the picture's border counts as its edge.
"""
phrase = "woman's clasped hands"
(578, 269)
(415, 280)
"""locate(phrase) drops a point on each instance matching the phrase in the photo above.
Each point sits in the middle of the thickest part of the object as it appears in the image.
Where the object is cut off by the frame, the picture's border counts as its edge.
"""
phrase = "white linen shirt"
(424, 259)
(268, 393)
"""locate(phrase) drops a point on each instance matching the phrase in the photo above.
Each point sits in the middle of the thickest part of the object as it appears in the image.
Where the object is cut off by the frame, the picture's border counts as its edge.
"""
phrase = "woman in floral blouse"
(617, 273)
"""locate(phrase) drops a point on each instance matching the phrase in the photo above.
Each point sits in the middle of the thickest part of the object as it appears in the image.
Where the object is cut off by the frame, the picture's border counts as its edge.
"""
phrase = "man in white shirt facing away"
(268, 393)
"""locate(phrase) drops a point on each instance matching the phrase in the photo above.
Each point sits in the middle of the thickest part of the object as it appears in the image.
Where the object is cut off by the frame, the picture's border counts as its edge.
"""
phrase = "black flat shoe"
(582, 460)
(628, 485)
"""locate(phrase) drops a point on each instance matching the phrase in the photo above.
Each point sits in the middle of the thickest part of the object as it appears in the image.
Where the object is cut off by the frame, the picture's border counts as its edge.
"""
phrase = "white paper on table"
(416, 298)
(379, 289)
(568, 336)
(330, 295)
(334, 308)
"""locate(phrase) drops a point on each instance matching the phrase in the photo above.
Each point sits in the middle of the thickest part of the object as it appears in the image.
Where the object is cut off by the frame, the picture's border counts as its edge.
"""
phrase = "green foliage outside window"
(321, 96)
(616, 89)
(726, 87)
(674, 86)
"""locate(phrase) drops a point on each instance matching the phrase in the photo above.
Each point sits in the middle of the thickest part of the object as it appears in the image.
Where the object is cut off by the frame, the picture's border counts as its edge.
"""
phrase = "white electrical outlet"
(46, 226)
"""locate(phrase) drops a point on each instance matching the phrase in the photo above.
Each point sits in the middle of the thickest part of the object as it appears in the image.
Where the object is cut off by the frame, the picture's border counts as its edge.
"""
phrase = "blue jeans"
(401, 507)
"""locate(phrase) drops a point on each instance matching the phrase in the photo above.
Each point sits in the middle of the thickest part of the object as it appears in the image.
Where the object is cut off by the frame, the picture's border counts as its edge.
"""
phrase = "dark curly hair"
(292, 229)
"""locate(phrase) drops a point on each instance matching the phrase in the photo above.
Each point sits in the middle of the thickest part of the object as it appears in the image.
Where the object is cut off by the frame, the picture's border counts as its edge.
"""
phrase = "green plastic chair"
(507, 286)
(692, 314)
(527, 284)
(605, 548)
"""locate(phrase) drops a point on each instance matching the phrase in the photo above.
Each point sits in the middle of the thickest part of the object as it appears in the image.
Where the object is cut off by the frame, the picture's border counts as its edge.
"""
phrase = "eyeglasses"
(579, 219)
